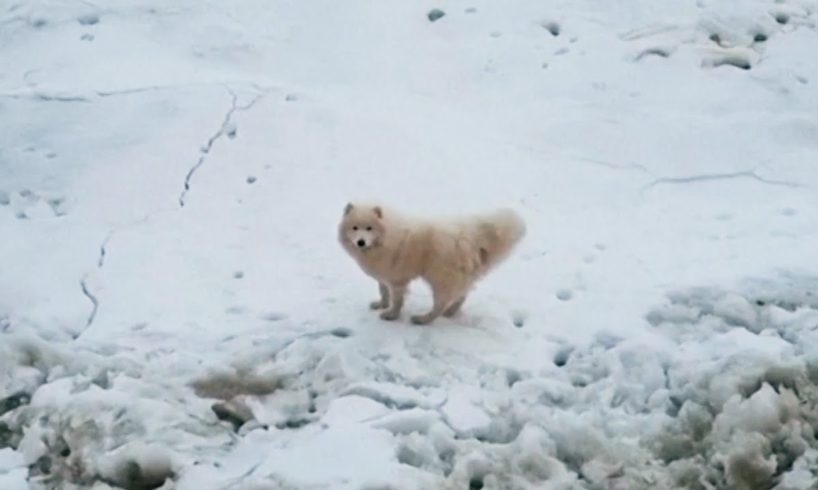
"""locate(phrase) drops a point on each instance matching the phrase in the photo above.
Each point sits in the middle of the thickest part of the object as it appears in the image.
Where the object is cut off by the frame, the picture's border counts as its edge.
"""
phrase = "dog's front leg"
(384, 301)
(396, 295)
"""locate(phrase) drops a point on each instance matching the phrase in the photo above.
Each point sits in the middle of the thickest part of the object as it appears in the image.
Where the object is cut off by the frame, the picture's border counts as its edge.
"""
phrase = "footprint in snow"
(274, 316)
(341, 332)
(236, 310)
(518, 318)
(653, 52)
(231, 130)
(562, 356)
(88, 19)
(782, 18)
(552, 27)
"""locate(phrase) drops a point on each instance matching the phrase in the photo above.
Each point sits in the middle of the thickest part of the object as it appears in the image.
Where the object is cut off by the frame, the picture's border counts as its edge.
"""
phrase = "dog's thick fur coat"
(449, 255)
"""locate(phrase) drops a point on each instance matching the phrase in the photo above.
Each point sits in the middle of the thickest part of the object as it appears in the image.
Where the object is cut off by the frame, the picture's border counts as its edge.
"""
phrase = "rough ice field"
(175, 311)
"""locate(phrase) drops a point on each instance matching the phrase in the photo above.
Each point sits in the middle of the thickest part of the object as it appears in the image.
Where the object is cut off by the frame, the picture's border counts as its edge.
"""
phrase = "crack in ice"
(156, 88)
(224, 129)
(746, 174)
(103, 246)
(615, 166)
(103, 250)
(48, 97)
(30, 92)
(94, 306)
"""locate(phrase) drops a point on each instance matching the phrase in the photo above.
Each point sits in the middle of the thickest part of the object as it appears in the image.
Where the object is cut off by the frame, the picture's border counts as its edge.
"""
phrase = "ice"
(10, 460)
(390, 394)
(408, 421)
(350, 409)
(463, 415)
(14, 479)
(137, 465)
(736, 310)
(175, 311)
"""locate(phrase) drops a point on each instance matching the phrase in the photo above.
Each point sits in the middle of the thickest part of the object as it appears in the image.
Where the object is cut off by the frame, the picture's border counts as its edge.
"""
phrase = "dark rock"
(14, 401)
(42, 466)
(237, 415)
(435, 14)
(7, 437)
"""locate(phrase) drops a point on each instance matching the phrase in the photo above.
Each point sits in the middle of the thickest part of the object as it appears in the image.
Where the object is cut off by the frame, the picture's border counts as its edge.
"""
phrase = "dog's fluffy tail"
(497, 234)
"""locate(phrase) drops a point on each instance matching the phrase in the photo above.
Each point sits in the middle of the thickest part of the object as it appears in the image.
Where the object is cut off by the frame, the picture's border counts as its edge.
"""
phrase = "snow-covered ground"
(174, 306)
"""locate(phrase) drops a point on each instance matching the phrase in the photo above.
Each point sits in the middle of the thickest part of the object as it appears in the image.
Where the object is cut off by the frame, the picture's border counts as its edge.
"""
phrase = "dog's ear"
(378, 212)
(348, 208)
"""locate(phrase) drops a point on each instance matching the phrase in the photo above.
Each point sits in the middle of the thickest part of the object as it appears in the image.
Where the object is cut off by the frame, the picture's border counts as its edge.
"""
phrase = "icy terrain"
(175, 310)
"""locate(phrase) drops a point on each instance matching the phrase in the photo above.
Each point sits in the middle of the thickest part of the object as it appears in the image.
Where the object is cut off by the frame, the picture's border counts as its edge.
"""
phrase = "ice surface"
(171, 176)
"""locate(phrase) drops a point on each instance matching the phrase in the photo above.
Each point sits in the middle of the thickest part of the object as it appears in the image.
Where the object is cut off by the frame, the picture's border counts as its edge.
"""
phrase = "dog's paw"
(421, 319)
(390, 315)
(377, 305)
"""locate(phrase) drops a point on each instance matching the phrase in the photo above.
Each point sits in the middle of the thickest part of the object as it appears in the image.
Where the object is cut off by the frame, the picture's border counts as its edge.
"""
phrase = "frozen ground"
(174, 307)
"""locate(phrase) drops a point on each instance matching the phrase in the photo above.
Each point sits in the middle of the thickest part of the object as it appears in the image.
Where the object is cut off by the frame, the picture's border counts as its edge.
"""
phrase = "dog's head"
(362, 227)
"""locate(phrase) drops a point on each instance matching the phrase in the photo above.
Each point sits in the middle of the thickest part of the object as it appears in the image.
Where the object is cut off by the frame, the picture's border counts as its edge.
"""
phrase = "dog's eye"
(368, 228)
(354, 228)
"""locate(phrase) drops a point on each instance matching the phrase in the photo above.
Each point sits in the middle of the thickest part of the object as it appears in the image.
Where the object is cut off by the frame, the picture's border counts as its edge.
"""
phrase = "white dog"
(449, 255)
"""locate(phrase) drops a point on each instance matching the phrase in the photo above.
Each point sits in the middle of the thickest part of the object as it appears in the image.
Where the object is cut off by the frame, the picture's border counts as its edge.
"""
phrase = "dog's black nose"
(361, 243)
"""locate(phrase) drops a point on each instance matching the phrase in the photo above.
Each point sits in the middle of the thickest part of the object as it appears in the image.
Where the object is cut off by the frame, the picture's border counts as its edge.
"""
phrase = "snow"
(171, 176)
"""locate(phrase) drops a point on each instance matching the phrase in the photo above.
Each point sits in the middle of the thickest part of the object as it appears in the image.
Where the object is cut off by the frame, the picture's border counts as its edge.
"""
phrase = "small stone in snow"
(251, 180)
(236, 414)
(435, 14)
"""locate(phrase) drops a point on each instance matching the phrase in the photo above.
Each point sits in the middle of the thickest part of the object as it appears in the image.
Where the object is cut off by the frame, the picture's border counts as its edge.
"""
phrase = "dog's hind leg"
(396, 295)
(443, 300)
(384, 301)
(454, 307)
